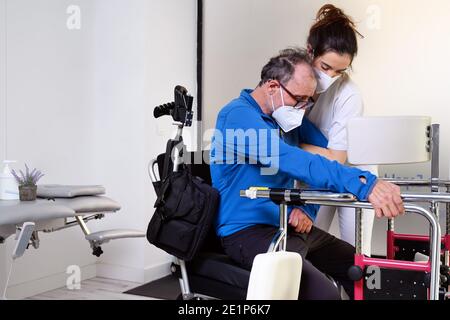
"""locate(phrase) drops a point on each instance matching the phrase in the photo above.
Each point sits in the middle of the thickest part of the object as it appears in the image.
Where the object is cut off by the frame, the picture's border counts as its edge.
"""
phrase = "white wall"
(239, 38)
(49, 123)
(141, 51)
(3, 264)
(80, 108)
(401, 67)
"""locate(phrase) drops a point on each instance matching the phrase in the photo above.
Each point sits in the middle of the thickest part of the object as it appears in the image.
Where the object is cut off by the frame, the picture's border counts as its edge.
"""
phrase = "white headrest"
(388, 140)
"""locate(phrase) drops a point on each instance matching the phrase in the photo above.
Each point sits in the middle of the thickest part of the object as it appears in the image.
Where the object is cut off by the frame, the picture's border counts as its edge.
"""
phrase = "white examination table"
(60, 207)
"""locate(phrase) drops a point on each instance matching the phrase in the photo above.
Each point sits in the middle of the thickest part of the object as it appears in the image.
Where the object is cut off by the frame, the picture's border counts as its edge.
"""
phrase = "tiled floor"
(94, 289)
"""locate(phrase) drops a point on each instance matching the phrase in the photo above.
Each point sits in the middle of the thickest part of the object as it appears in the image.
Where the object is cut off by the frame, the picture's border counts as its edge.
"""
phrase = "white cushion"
(275, 276)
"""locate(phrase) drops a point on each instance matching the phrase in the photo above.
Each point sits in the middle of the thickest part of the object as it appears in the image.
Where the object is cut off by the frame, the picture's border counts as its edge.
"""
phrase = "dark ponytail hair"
(333, 31)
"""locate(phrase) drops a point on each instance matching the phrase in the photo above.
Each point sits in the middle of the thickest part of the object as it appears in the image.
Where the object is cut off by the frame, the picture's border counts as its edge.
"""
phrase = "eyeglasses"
(301, 104)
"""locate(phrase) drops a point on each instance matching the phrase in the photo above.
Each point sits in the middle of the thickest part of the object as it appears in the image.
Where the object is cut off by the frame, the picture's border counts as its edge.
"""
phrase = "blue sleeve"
(262, 146)
(310, 134)
(310, 210)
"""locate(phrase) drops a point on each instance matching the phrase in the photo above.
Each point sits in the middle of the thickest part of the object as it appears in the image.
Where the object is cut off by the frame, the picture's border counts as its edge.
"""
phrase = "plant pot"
(27, 193)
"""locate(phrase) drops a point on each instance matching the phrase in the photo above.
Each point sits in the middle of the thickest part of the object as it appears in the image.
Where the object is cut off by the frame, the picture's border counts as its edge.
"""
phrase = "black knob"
(444, 280)
(97, 251)
(355, 273)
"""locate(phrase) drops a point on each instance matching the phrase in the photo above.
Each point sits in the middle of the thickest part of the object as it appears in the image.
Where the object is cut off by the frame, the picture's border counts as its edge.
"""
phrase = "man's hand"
(300, 221)
(386, 200)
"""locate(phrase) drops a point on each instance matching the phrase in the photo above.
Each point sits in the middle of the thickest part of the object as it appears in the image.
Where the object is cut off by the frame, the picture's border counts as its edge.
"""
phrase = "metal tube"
(447, 218)
(391, 225)
(434, 207)
(177, 156)
(447, 230)
(426, 197)
(347, 198)
(75, 223)
(279, 241)
(434, 137)
(276, 241)
(151, 170)
(184, 277)
(358, 231)
(283, 225)
(417, 183)
(83, 225)
(179, 132)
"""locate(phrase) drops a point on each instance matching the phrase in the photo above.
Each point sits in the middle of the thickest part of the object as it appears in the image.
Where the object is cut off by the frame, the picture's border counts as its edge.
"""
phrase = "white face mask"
(324, 81)
(287, 117)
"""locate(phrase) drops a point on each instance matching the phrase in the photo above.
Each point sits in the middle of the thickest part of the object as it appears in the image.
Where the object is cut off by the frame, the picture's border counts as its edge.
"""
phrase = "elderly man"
(256, 144)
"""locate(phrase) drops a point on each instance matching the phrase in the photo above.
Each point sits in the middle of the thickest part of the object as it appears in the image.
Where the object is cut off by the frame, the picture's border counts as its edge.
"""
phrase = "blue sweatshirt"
(248, 151)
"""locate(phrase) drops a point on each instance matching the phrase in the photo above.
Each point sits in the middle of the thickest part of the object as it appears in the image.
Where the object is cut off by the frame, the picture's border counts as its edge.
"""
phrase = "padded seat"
(93, 204)
(216, 275)
(219, 267)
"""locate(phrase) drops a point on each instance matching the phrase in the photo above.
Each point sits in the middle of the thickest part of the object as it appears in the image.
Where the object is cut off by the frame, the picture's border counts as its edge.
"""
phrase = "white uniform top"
(331, 114)
(334, 108)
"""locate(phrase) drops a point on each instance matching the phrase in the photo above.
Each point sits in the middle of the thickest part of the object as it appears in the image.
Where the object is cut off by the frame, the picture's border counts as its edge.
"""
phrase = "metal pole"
(391, 225)
(283, 225)
(447, 230)
(435, 209)
(185, 280)
(358, 231)
(83, 225)
(447, 217)
(434, 145)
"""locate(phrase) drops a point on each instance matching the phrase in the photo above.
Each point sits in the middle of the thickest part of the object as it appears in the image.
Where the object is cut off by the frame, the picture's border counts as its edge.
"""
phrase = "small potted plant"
(27, 183)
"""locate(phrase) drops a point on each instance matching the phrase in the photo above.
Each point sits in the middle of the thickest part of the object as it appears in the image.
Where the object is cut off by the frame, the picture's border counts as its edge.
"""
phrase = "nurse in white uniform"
(333, 44)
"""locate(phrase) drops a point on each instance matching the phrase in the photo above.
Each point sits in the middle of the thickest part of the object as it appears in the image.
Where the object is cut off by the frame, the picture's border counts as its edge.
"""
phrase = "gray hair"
(282, 67)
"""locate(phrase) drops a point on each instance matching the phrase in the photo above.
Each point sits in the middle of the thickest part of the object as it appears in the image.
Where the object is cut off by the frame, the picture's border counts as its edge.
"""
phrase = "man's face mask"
(324, 81)
(287, 117)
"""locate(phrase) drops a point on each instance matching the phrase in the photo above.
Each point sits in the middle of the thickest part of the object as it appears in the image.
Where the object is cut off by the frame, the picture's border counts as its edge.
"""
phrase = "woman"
(332, 42)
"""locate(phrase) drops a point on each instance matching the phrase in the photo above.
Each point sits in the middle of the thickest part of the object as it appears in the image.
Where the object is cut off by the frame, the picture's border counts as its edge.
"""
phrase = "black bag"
(185, 210)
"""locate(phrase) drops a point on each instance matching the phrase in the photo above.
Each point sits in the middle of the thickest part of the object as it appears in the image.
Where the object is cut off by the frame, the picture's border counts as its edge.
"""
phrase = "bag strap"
(167, 159)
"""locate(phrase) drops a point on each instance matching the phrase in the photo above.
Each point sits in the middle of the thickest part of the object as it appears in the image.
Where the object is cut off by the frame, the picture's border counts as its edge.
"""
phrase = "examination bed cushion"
(95, 204)
(17, 212)
(61, 191)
